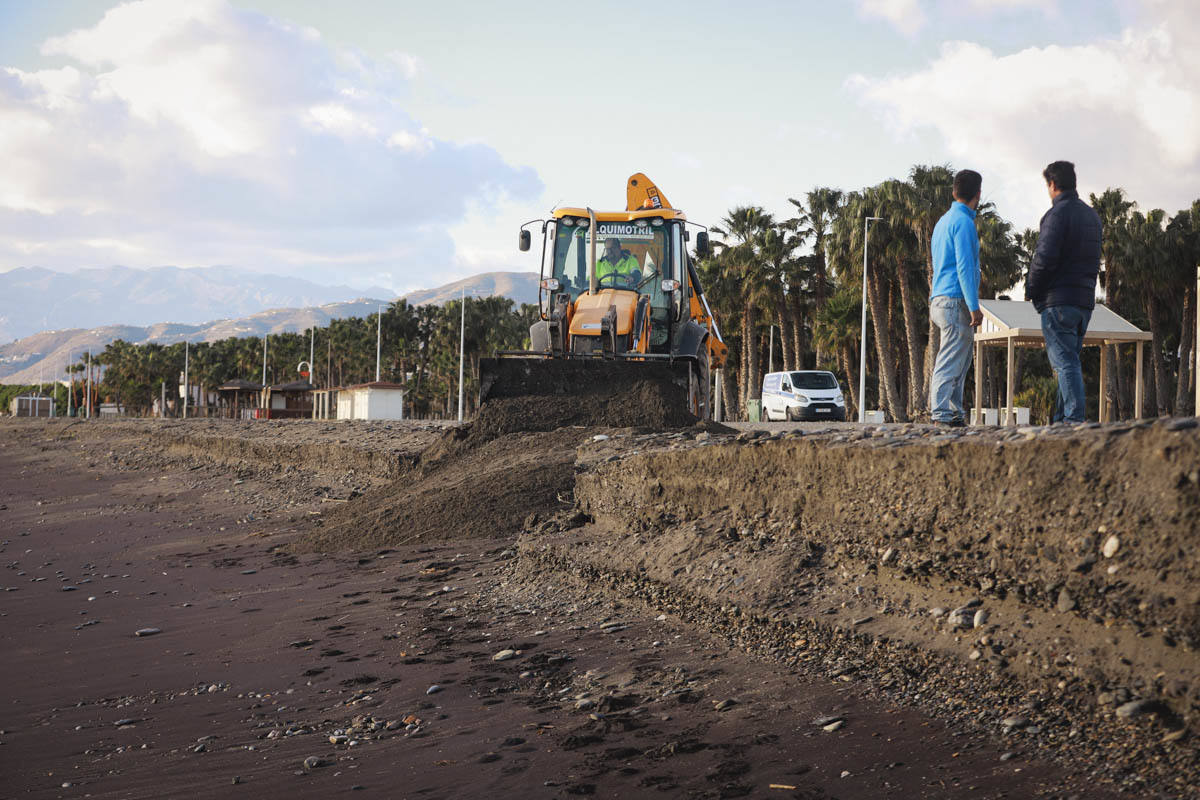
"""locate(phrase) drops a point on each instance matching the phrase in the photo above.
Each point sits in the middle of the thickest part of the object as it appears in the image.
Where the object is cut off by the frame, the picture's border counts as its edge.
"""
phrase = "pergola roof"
(239, 385)
(1019, 320)
(377, 385)
(292, 386)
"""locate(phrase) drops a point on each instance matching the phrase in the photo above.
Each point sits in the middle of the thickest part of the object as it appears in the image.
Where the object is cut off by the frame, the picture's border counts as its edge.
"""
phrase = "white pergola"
(1014, 323)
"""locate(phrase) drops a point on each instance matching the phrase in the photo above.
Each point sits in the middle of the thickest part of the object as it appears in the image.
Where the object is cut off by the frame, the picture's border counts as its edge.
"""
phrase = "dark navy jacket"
(1064, 268)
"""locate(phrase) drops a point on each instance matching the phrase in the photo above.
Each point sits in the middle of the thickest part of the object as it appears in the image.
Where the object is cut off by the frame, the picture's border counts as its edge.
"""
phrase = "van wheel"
(792, 416)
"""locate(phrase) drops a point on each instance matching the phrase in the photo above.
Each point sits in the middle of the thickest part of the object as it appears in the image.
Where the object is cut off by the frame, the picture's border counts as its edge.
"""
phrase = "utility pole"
(187, 389)
(862, 349)
(70, 385)
(378, 341)
(162, 402)
(312, 344)
(89, 385)
(462, 342)
(264, 380)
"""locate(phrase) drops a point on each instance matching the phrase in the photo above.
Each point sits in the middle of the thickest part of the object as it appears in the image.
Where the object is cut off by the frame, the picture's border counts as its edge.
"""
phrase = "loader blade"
(557, 392)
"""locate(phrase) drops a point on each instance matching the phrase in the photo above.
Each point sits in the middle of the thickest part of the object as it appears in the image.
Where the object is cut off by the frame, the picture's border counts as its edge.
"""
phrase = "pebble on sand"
(433, 689)
(504, 655)
(1111, 545)
(1065, 602)
(147, 631)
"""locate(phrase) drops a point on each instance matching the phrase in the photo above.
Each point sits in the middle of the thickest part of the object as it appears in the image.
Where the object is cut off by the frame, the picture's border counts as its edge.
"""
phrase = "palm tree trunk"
(786, 324)
(933, 334)
(849, 369)
(753, 380)
(798, 330)
(1161, 391)
(1186, 359)
(729, 393)
(1110, 388)
(887, 363)
(916, 370)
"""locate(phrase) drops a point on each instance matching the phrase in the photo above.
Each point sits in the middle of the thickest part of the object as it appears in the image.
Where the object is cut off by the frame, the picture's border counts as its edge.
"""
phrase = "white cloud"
(1126, 110)
(1047, 6)
(906, 15)
(200, 133)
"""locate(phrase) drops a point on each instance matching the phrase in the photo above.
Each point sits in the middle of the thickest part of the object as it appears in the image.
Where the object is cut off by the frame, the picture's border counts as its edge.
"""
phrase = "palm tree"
(721, 288)
(1184, 242)
(743, 261)
(1114, 208)
(836, 330)
(1144, 258)
(849, 247)
(814, 218)
(932, 194)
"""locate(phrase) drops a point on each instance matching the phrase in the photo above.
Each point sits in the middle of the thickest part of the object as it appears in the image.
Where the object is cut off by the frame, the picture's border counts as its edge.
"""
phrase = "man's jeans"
(951, 316)
(1063, 328)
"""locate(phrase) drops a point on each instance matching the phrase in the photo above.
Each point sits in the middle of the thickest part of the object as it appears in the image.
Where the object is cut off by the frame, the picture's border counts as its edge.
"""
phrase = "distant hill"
(35, 299)
(521, 287)
(43, 356)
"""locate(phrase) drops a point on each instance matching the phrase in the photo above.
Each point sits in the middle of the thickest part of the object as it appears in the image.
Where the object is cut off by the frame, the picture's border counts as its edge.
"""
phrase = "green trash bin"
(754, 410)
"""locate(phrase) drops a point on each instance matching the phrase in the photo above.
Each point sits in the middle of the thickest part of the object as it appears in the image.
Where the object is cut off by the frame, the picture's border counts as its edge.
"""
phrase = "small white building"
(373, 401)
(32, 405)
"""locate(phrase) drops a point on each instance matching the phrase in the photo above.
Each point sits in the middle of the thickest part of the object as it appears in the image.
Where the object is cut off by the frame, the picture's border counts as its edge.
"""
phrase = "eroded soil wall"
(1045, 582)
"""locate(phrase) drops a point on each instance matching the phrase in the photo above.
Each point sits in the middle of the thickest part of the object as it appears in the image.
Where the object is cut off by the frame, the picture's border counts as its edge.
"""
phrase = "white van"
(804, 395)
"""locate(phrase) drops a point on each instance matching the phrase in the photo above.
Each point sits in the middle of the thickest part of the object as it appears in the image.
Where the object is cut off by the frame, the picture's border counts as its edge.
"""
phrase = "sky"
(401, 144)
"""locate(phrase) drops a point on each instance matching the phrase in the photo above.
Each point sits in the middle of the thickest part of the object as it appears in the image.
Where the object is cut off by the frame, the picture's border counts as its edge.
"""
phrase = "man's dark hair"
(966, 184)
(1061, 174)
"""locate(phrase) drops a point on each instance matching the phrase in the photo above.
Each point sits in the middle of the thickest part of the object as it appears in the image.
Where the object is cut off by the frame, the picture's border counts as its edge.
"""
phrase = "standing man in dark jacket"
(1062, 283)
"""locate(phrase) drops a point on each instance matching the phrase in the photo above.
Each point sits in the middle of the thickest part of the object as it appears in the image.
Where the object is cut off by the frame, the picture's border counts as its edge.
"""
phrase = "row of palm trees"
(802, 276)
(419, 347)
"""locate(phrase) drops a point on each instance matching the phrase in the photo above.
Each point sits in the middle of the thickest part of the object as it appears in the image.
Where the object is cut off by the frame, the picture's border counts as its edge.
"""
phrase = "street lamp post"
(862, 348)
(187, 389)
(462, 348)
(379, 341)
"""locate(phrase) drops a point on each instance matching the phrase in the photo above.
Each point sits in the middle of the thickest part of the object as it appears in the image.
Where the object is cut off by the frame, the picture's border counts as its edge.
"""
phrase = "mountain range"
(44, 355)
(34, 299)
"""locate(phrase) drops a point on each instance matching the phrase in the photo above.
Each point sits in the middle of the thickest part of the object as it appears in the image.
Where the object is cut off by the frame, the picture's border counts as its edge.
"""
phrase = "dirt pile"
(460, 491)
(516, 459)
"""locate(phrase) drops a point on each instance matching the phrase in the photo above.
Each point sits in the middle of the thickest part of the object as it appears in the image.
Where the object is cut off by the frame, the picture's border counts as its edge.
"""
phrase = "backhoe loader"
(619, 299)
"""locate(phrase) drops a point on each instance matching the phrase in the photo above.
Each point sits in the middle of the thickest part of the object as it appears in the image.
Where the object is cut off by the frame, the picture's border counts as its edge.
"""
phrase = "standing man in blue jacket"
(954, 298)
(1062, 283)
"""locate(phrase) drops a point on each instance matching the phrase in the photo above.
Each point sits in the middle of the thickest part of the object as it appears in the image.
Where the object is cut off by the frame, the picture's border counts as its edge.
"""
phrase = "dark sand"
(263, 655)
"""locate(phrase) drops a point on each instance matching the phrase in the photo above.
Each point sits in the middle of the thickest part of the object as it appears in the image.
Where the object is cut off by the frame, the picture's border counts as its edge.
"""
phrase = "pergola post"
(1010, 368)
(978, 382)
(1103, 378)
(1137, 384)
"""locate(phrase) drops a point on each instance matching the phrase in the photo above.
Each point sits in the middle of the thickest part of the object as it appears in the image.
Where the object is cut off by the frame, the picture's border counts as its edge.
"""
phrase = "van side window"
(787, 387)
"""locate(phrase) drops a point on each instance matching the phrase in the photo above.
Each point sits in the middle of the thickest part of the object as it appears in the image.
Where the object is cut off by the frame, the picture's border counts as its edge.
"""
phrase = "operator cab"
(633, 255)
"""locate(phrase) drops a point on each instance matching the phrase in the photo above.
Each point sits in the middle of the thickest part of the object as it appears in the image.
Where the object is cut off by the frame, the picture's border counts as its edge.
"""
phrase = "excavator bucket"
(592, 392)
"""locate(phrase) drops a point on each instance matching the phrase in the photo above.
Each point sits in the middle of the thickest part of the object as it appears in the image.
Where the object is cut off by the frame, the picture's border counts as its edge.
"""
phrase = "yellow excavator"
(619, 298)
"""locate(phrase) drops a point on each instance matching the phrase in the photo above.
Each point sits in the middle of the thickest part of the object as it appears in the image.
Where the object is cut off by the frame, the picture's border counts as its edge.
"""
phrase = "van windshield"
(813, 380)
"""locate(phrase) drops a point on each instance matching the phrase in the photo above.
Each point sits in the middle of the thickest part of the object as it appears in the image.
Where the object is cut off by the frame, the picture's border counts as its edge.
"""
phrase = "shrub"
(1040, 397)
